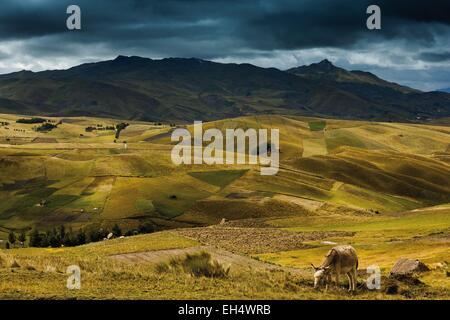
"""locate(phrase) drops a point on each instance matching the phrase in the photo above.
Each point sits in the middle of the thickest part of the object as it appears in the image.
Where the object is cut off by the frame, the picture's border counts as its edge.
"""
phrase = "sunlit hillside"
(382, 187)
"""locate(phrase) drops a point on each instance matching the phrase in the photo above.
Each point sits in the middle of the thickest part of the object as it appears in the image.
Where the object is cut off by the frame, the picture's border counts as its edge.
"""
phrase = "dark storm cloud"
(266, 25)
(4, 55)
(342, 23)
(435, 56)
(219, 29)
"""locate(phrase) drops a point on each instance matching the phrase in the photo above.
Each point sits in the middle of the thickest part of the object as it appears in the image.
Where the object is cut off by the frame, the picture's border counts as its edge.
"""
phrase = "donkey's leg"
(337, 279)
(328, 281)
(350, 281)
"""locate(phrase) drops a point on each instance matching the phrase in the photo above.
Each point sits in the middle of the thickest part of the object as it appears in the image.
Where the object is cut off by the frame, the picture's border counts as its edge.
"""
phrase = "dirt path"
(234, 261)
(308, 204)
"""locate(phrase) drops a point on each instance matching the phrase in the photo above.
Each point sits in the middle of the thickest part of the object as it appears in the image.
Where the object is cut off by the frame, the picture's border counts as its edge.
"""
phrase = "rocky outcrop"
(408, 266)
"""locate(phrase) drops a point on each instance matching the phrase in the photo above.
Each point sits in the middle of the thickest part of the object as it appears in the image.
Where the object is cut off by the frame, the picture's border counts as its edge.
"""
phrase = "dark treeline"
(99, 127)
(31, 121)
(58, 237)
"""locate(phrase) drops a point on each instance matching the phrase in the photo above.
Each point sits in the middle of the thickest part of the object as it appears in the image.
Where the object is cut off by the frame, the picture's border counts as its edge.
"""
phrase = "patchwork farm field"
(383, 188)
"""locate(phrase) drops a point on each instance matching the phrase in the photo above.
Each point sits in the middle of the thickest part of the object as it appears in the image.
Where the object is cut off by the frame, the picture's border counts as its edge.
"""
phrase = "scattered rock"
(121, 237)
(406, 279)
(223, 221)
(110, 236)
(408, 266)
(250, 240)
(328, 242)
(406, 285)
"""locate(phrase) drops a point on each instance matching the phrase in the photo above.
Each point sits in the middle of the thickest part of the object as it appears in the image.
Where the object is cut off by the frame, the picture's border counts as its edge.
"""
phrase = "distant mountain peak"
(328, 72)
(325, 62)
(324, 66)
(21, 73)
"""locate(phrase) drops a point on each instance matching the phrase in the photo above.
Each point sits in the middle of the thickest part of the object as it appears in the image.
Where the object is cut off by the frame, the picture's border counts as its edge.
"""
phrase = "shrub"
(130, 233)
(119, 128)
(90, 129)
(81, 237)
(22, 237)
(53, 238)
(146, 227)
(201, 264)
(46, 127)
(116, 231)
(35, 238)
(12, 237)
(197, 264)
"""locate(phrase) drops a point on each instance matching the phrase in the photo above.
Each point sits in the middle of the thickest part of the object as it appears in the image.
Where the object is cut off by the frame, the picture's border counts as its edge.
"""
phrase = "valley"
(383, 187)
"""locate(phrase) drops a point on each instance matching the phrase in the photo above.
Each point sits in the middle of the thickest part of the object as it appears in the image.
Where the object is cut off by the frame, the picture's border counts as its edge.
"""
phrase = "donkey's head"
(321, 275)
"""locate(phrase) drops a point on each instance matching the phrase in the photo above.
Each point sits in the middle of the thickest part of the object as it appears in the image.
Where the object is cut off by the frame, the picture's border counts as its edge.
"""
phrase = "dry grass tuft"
(198, 265)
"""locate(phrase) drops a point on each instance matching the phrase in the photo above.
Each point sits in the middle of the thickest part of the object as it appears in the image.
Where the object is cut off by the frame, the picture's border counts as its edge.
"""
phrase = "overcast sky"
(413, 47)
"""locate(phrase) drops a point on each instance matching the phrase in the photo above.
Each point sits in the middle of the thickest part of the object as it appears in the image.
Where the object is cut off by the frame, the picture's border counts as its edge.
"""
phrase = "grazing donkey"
(339, 260)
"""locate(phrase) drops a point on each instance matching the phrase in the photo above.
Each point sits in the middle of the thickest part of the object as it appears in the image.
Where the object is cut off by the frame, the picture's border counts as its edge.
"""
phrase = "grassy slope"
(381, 241)
(90, 180)
(378, 166)
(42, 272)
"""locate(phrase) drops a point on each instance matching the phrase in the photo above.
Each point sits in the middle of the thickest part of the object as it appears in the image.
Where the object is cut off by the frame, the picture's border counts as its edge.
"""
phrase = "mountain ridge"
(186, 89)
(325, 68)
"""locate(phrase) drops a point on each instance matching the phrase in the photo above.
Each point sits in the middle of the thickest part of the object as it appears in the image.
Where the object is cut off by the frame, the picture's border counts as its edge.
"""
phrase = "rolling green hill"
(88, 180)
(382, 187)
